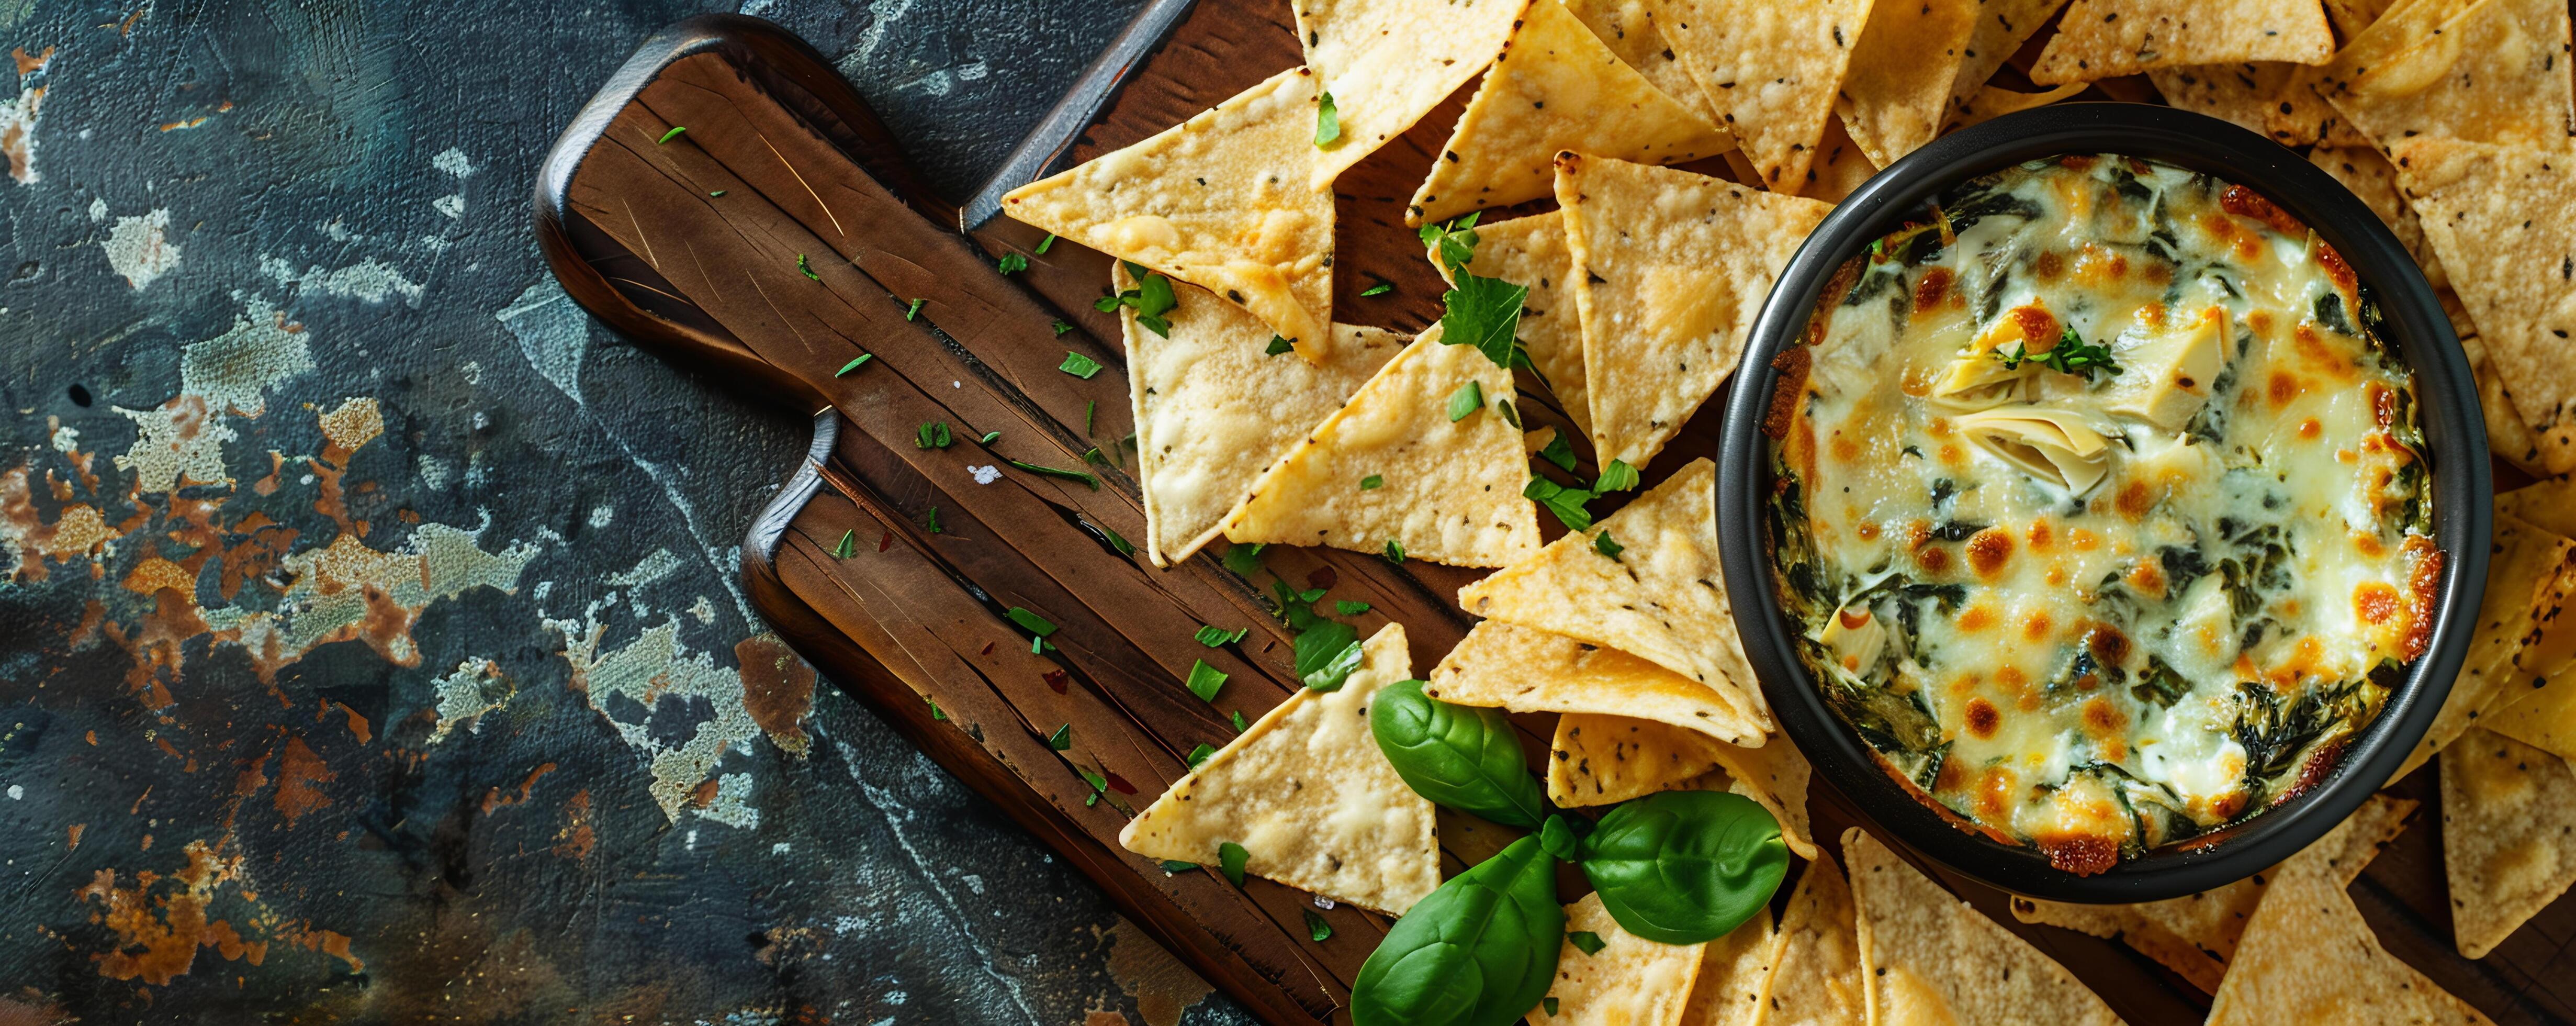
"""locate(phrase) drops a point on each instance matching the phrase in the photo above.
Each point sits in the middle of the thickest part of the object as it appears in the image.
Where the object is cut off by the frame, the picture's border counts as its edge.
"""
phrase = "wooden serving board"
(782, 236)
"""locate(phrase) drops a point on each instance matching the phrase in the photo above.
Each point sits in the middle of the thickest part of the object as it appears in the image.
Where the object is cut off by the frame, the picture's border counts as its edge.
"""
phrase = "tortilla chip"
(1661, 598)
(2002, 26)
(1255, 792)
(1929, 957)
(1604, 760)
(1448, 491)
(1503, 665)
(1630, 981)
(1628, 28)
(2099, 39)
(1728, 990)
(2308, 956)
(1670, 269)
(1897, 92)
(2268, 97)
(1770, 69)
(1213, 410)
(1993, 102)
(2543, 715)
(2507, 436)
(2503, 220)
(2374, 180)
(1386, 63)
(2508, 835)
(1217, 201)
(1815, 964)
(1555, 87)
(2350, 17)
(2495, 72)
(1530, 252)
(1839, 167)
(2529, 578)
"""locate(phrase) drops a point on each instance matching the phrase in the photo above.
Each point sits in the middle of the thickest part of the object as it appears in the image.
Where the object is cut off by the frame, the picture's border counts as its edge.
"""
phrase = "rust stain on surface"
(777, 689)
(576, 838)
(158, 932)
(299, 774)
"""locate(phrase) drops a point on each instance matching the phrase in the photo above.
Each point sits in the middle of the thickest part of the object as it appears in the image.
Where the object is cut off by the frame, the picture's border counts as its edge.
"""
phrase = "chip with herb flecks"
(1897, 91)
(2098, 39)
(1389, 62)
(1608, 975)
(1770, 70)
(1928, 957)
(1598, 759)
(1530, 252)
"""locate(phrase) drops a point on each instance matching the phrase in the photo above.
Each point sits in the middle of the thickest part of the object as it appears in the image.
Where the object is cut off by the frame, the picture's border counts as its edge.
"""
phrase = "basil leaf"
(1460, 756)
(1480, 951)
(1682, 867)
(1230, 860)
(1557, 836)
(1484, 313)
(1467, 399)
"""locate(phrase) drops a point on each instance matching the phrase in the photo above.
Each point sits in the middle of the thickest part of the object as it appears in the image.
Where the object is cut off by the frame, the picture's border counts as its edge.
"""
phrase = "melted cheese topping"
(2088, 610)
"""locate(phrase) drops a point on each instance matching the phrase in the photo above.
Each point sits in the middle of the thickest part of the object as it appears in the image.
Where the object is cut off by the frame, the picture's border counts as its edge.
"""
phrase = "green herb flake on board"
(1347, 607)
(1244, 559)
(1178, 866)
(806, 269)
(1061, 326)
(1237, 717)
(1011, 263)
(989, 437)
(1078, 365)
(1230, 860)
(932, 521)
(937, 714)
(1046, 242)
(932, 435)
(854, 364)
(674, 133)
(913, 309)
(1119, 542)
(1317, 929)
(1070, 475)
(1215, 637)
(1394, 551)
(1200, 754)
(1378, 289)
(1205, 680)
(848, 547)
(1062, 739)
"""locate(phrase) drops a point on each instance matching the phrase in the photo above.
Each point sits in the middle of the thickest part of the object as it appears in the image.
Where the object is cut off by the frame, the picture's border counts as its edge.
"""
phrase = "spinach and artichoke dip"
(2100, 506)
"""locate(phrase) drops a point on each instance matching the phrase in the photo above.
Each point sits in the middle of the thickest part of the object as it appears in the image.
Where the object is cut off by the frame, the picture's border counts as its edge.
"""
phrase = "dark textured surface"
(463, 716)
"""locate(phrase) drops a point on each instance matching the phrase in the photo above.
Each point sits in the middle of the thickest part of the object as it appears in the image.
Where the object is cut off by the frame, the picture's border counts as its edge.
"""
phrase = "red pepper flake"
(988, 649)
(886, 541)
(1323, 577)
(1054, 679)
(1119, 784)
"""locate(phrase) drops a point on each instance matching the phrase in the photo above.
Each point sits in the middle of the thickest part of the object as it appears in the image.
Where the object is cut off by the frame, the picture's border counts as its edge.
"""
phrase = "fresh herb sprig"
(1151, 299)
(2071, 355)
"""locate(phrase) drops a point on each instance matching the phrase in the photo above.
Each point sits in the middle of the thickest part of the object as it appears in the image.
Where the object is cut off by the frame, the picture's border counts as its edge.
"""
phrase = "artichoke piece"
(2053, 445)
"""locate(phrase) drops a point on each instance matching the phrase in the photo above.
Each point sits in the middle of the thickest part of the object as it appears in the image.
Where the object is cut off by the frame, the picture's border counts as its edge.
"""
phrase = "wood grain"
(701, 247)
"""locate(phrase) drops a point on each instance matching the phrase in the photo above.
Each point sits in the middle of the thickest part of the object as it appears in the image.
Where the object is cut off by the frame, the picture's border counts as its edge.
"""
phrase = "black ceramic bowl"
(2455, 443)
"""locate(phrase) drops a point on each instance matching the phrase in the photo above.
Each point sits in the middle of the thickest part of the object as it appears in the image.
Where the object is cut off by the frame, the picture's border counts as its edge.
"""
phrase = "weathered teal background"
(370, 644)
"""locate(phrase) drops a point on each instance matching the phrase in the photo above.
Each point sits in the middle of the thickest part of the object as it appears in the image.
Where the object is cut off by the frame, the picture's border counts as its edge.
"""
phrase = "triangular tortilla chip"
(1598, 759)
(2508, 437)
(1219, 201)
(1628, 28)
(1839, 167)
(1897, 92)
(2508, 835)
(1670, 269)
(2494, 72)
(1307, 793)
(1556, 87)
(2100, 39)
(2270, 97)
(1213, 409)
(2543, 716)
(2374, 180)
(1386, 63)
(2503, 220)
(1530, 252)
(2350, 17)
(1815, 975)
(1728, 990)
(2309, 957)
(1662, 598)
(2530, 577)
(1503, 665)
(1770, 69)
(1629, 981)
(1446, 490)
(1929, 957)
(2002, 26)
(1993, 102)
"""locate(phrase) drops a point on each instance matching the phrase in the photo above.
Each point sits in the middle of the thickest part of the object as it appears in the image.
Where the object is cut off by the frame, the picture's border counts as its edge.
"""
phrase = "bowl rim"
(2416, 328)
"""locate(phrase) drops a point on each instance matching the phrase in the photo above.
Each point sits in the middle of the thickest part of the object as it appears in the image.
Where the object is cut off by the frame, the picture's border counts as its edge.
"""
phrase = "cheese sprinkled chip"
(2529, 579)
(2508, 835)
(1628, 28)
(2494, 71)
(1770, 69)
(1627, 981)
(1503, 665)
(1732, 970)
(1450, 490)
(1662, 600)
(1213, 409)
(1898, 89)
(1530, 252)
(2503, 220)
(1839, 167)
(2271, 97)
(1605, 759)
(1388, 62)
(2099, 39)
(1220, 201)
(2373, 180)
(1670, 269)
(1555, 87)
(1993, 102)
(1929, 957)
(2002, 26)
(1309, 796)
(1815, 975)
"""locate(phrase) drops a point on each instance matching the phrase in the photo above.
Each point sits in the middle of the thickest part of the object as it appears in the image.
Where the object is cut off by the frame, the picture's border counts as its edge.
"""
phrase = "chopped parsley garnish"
(1347, 607)
(853, 364)
(1098, 783)
(1151, 299)
(1061, 327)
(1217, 637)
(674, 133)
(1237, 717)
(1336, 669)
(1318, 930)
(1178, 866)
(1078, 365)
(1062, 739)
(1394, 551)
(1230, 859)
(913, 309)
(1046, 242)
(2072, 355)
(1116, 541)
(1200, 754)
(936, 713)
(1606, 545)
(1279, 345)
(1372, 482)
(932, 435)
(716, 193)
(1378, 289)
(1244, 559)
(1484, 313)
(1036, 625)
(1617, 477)
(1452, 244)
(1092, 455)
(1560, 452)
(932, 521)
(989, 436)
(1550, 1003)
(1070, 475)
(1467, 399)
(1584, 940)
(1205, 680)
(848, 547)
(1511, 416)
(1091, 799)
(805, 268)
(1566, 503)
(1328, 121)
(1011, 263)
